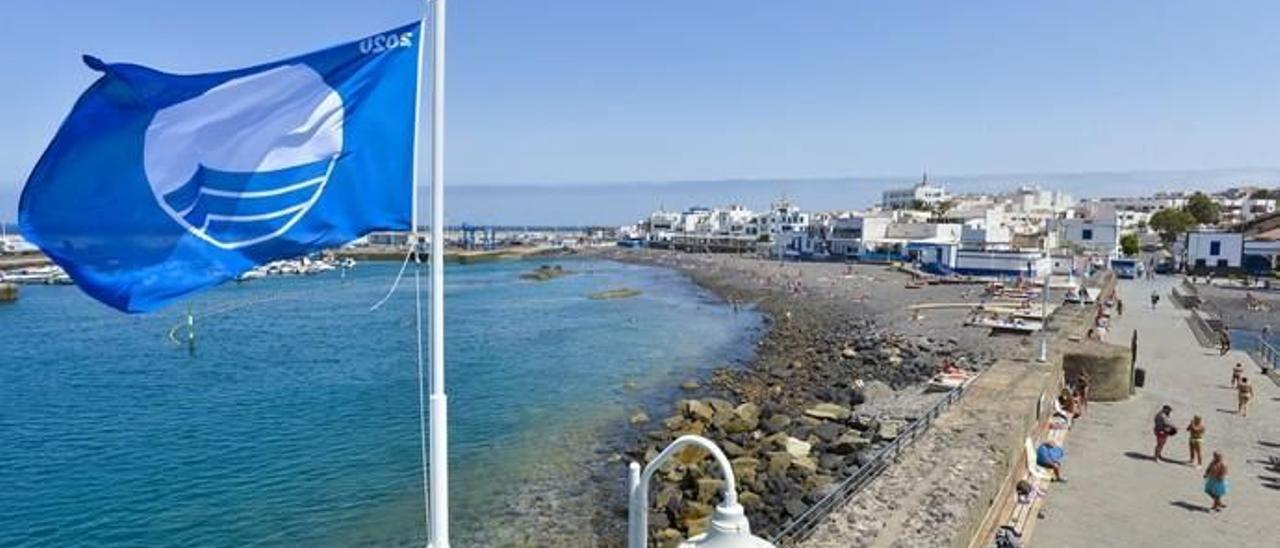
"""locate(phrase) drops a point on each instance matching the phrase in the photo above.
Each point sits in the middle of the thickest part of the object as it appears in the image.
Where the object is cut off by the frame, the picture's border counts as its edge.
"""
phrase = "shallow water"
(295, 421)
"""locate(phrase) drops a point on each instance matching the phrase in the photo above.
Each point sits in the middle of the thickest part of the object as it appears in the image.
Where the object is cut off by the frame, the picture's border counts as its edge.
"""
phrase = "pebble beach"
(838, 373)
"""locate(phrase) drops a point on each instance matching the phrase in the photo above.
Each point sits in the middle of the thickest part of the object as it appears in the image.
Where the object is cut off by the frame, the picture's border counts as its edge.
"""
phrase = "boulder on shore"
(828, 411)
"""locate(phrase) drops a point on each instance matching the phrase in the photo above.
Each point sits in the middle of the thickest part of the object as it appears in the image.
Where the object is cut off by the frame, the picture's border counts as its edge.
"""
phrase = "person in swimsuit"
(1163, 429)
(1236, 374)
(1215, 480)
(1082, 391)
(1244, 393)
(1195, 440)
(1069, 404)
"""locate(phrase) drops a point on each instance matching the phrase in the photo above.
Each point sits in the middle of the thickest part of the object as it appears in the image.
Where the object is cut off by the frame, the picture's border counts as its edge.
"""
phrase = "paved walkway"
(1117, 496)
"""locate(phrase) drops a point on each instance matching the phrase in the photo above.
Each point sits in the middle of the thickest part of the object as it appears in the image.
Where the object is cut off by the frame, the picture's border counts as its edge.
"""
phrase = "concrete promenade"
(1117, 496)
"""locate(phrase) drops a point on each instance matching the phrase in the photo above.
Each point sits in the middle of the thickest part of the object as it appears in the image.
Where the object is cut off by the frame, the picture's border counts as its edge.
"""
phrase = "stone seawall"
(941, 490)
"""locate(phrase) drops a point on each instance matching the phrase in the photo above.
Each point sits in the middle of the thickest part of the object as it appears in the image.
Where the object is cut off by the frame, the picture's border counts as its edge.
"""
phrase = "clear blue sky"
(601, 91)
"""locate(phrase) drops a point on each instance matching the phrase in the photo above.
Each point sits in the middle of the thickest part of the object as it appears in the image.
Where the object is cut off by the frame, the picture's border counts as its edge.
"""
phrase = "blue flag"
(158, 185)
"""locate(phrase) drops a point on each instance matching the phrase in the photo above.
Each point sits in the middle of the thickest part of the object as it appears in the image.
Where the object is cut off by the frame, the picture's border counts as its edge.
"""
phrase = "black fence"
(803, 526)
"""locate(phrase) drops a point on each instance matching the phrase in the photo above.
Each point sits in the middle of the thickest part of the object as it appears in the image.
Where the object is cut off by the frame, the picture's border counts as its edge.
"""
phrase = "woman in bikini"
(1215, 481)
(1195, 440)
(1069, 404)
(1082, 391)
(1244, 393)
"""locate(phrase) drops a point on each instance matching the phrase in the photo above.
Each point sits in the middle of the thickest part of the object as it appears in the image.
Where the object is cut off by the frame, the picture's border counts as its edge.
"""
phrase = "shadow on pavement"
(1139, 456)
(1227, 411)
(1270, 444)
(1190, 506)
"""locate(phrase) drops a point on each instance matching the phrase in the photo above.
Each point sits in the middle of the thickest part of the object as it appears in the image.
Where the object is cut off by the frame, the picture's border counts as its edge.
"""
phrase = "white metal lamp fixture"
(728, 527)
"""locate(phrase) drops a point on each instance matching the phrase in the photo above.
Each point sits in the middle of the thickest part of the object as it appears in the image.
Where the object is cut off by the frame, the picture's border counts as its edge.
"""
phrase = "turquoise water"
(295, 421)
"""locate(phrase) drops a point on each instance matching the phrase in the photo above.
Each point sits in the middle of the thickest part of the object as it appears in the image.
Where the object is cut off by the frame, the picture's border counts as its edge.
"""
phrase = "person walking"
(1163, 429)
(1244, 393)
(1155, 299)
(1237, 373)
(1082, 391)
(1215, 480)
(1119, 307)
(1195, 441)
(1224, 343)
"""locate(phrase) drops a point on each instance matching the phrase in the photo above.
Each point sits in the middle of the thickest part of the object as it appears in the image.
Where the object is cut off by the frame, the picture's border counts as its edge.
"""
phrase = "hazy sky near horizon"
(669, 90)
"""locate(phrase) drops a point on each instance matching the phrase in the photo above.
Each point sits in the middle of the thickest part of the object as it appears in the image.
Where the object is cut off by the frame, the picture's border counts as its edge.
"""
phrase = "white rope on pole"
(396, 283)
(431, 506)
(422, 404)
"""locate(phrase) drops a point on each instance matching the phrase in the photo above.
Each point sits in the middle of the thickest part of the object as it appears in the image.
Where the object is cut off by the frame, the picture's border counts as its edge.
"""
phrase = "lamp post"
(1044, 318)
(728, 527)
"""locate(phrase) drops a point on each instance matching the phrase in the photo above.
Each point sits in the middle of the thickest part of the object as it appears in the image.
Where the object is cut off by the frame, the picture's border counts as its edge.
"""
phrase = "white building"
(1145, 204)
(951, 259)
(783, 217)
(1099, 234)
(849, 235)
(1239, 210)
(731, 220)
(1032, 199)
(662, 225)
(922, 194)
(1213, 250)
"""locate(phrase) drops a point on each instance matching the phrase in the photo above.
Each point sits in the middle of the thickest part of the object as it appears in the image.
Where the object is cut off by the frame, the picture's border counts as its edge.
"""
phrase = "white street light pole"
(1044, 319)
(728, 527)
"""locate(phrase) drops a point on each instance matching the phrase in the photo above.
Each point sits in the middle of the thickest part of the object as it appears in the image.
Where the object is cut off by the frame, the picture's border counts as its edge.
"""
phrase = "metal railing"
(803, 526)
(1265, 353)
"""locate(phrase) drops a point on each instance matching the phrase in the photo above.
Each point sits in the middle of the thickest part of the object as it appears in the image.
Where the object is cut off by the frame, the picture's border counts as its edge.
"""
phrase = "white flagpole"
(439, 463)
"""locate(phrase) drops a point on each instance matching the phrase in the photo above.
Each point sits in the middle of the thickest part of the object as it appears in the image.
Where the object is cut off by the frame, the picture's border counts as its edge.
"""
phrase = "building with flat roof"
(922, 194)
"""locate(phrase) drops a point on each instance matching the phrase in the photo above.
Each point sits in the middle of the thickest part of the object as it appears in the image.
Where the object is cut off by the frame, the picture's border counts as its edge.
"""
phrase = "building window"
(1199, 262)
(1086, 234)
(1222, 263)
(1215, 249)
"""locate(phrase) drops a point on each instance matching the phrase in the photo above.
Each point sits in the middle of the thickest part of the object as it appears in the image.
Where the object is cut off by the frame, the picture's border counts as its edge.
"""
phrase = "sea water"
(294, 420)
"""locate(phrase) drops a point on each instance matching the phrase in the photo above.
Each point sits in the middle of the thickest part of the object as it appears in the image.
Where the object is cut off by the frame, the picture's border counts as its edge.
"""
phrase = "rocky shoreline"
(836, 377)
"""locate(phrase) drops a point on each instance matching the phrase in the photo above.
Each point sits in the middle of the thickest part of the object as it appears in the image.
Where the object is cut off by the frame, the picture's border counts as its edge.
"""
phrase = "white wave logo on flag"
(241, 163)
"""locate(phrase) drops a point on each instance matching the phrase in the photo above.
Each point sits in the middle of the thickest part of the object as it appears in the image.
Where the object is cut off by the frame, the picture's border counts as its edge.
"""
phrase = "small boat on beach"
(948, 381)
(1006, 325)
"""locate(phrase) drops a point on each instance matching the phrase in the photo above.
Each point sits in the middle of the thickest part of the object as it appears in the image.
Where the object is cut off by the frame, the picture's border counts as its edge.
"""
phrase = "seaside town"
(922, 322)
(1027, 231)
(237, 310)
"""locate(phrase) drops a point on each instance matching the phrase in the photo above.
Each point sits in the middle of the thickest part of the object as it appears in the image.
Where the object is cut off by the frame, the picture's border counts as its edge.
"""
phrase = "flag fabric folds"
(159, 185)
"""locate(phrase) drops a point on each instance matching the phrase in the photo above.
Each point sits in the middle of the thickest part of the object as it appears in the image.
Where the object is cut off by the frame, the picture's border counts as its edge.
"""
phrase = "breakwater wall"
(943, 489)
(1034, 407)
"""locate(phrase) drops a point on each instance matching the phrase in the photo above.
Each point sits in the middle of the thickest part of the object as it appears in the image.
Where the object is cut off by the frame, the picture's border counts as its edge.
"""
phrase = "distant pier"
(460, 256)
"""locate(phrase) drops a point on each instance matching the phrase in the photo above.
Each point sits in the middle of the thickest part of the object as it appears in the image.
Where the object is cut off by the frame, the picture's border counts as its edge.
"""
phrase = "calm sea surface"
(295, 421)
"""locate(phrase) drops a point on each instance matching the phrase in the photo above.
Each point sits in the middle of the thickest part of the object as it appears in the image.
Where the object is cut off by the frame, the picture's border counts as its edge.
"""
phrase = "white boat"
(254, 274)
(946, 382)
(1009, 325)
(50, 275)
